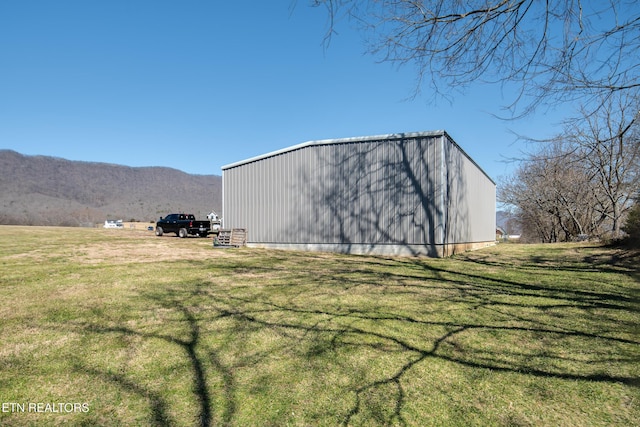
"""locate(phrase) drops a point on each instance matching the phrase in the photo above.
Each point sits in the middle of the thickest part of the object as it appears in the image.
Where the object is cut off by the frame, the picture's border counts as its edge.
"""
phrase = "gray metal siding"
(416, 190)
(470, 198)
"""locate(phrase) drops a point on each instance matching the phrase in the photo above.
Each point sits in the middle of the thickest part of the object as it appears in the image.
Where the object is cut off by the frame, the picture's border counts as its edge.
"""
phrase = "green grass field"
(119, 327)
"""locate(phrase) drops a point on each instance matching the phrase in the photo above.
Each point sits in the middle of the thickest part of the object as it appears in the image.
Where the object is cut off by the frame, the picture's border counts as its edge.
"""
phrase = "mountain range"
(42, 190)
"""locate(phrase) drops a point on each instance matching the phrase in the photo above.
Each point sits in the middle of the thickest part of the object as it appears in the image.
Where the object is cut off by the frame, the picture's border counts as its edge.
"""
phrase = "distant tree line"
(583, 183)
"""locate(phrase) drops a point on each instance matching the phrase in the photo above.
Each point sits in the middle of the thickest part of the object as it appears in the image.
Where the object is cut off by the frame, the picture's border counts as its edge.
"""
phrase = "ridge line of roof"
(390, 136)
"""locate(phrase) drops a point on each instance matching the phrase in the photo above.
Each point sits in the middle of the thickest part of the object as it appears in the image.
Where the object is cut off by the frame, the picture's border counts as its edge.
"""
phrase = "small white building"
(112, 223)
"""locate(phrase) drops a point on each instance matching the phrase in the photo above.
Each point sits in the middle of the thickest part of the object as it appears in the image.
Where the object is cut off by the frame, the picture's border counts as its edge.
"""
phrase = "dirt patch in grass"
(94, 246)
(147, 252)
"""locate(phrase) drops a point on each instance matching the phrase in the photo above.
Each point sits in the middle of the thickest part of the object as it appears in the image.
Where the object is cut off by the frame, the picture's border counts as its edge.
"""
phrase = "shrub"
(632, 225)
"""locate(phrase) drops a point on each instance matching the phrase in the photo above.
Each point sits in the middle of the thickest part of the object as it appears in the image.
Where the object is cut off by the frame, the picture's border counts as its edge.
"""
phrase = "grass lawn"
(119, 327)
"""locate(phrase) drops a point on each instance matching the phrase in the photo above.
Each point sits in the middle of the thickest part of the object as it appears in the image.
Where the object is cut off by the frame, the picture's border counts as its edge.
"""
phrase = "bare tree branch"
(555, 51)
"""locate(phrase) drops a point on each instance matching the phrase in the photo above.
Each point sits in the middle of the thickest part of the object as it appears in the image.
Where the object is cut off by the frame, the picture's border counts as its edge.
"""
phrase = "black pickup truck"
(182, 225)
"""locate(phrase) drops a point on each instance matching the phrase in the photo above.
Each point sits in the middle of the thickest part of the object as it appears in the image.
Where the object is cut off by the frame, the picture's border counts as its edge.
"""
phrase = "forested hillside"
(39, 190)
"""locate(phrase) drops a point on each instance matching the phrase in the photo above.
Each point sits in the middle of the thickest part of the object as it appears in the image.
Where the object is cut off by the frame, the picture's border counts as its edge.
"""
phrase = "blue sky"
(194, 85)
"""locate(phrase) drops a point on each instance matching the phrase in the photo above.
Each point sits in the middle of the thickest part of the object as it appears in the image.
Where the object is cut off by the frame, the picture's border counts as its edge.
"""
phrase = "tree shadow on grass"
(198, 356)
(583, 259)
(347, 335)
(492, 295)
(304, 311)
(159, 415)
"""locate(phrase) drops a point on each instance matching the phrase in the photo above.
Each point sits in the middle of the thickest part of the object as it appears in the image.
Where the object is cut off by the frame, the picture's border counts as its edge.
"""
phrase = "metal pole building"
(407, 194)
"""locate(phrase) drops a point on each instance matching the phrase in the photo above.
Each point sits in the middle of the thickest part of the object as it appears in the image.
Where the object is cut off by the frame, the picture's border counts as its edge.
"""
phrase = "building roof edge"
(391, 136)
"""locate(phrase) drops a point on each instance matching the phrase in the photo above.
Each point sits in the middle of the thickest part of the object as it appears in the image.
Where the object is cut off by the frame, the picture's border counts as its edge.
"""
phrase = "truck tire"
(204, 234)
(182, 233)
(159, 231)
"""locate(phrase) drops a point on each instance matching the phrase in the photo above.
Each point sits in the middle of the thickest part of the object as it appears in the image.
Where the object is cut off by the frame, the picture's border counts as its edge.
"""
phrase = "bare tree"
(608, 143)
(553, 196)
(584, 182)
(553, 51)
